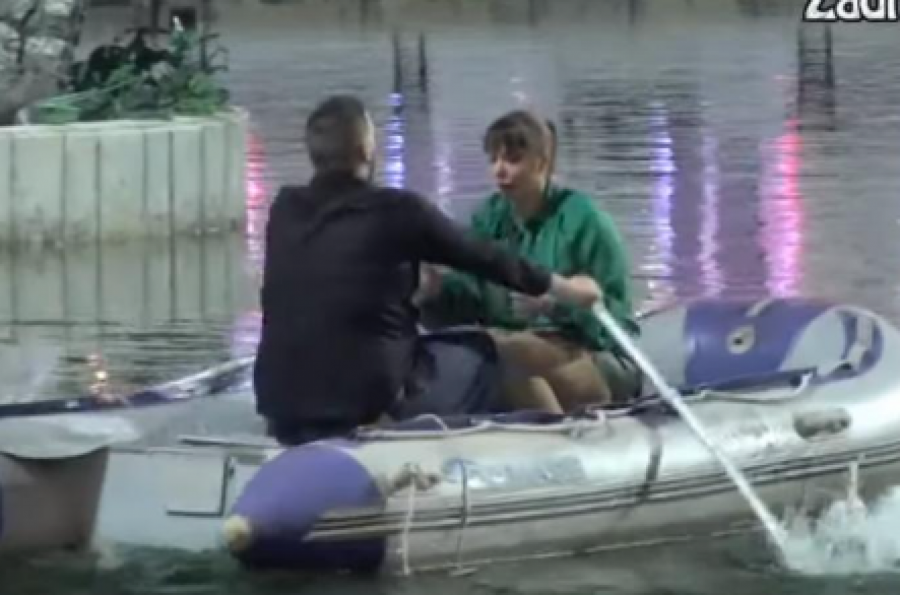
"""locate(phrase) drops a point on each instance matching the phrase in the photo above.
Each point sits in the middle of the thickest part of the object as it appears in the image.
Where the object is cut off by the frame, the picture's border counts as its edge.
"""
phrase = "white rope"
(721, 395)
(464, 521)
(407, 527)
(412, 478)
(576, 426)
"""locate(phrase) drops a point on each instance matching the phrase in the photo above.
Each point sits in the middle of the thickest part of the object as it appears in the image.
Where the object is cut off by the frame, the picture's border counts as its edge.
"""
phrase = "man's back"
(338, 323)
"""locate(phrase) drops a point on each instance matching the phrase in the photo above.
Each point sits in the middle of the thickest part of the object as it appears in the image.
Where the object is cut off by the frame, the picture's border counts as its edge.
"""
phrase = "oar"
(671, 396)
(203, 384)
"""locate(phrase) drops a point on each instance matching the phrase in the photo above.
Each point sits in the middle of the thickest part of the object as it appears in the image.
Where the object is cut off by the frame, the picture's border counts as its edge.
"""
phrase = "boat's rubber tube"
(283, 501)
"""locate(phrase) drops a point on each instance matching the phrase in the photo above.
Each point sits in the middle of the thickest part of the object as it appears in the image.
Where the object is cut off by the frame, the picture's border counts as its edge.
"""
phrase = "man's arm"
(434, 237)
(456, 297)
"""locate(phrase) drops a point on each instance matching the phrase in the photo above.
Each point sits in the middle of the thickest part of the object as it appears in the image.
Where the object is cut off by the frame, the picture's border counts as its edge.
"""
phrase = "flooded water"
(741, 154)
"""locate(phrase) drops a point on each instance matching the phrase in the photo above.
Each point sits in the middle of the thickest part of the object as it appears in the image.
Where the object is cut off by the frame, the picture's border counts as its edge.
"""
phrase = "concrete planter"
(121, 180)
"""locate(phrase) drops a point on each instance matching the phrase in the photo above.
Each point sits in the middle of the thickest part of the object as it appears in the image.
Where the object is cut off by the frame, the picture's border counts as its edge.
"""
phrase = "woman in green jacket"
(555, 357)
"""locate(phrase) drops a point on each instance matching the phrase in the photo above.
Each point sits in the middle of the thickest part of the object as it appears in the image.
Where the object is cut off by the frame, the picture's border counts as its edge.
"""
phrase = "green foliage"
(138, 81)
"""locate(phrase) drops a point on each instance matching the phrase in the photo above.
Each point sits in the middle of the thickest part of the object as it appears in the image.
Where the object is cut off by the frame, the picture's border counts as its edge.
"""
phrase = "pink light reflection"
(256, 186)
(245, 330)
(257, 198)
(784, 215)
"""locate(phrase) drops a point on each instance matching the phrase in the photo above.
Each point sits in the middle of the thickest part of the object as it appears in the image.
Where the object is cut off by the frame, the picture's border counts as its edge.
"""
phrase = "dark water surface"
(741, 154)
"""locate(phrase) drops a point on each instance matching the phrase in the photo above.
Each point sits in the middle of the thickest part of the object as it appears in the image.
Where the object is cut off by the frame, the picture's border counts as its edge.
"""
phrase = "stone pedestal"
(119, 180)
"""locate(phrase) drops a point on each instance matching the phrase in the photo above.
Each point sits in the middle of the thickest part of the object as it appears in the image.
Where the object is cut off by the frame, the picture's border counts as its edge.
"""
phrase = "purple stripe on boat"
(710, 324)
(291, 493)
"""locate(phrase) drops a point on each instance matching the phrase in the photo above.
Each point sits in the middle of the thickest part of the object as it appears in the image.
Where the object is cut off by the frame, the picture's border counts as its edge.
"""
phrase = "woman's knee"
(531, 352)
(580, 383)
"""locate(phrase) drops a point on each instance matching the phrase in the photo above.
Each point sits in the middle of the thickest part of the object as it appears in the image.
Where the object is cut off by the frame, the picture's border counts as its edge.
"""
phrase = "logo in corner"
(851, 11)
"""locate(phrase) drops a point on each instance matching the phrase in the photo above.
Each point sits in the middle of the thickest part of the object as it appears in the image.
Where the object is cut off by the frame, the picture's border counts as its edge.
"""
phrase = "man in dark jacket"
(340, 326)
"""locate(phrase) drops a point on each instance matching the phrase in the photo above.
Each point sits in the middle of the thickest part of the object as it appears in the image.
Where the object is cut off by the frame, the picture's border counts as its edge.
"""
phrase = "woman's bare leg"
(522, 358)
(578, 383)
(547, 373)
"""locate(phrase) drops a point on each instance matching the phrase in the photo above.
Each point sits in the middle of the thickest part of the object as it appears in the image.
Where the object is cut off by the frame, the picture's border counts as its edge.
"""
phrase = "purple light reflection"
(662, 168)
(711, 280)
(395, 145)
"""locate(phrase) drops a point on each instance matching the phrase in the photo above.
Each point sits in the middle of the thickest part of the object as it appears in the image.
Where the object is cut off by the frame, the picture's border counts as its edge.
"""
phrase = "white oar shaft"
(673, 398)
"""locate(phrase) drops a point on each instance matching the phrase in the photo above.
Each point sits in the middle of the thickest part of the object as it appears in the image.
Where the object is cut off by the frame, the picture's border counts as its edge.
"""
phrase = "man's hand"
(430, 281)
(530, 308)
(578, 290)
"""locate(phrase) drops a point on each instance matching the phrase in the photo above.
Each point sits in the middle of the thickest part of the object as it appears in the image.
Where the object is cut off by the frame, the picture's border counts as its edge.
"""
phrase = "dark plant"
(135, 80)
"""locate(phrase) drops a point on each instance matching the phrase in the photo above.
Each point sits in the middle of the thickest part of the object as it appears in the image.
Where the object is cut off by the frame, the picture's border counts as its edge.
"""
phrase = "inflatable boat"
(803, 396)
(800, 394)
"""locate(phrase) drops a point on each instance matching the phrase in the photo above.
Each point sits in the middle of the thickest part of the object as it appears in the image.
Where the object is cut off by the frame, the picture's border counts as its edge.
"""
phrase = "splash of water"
(849, 538)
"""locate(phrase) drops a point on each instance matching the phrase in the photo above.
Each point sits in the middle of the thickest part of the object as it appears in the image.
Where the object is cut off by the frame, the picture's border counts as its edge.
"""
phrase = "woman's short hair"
(520, 133)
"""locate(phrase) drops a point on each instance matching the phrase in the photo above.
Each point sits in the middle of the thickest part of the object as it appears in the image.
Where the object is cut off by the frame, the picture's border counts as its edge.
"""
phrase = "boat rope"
(464, 516)
(407, 527)
(575, 427)
(414, 479)
(436, 419)
(757, 308)
(711, 394)
(412, 475)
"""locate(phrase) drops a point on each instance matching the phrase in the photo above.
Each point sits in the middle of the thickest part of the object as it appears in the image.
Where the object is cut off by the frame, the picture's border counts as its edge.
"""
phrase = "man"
(340, 335)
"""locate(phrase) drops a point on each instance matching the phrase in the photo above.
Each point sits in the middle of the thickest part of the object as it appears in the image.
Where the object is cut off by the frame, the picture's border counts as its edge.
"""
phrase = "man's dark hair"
(335, 133)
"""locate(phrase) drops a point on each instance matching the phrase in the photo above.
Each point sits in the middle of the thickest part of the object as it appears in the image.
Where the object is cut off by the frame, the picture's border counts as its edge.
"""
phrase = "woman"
(555, 357)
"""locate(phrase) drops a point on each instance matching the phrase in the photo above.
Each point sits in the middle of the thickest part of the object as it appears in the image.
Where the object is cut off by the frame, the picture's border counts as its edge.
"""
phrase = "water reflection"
(711, 275)
(741, 252)
(635, 10)
(259, 190)
(782, 215)
(689, 175)
(148, 309)
(529, 12)
(783, 209)
(724, 180)
(816, 93)
(663, 170)
(370, 11)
